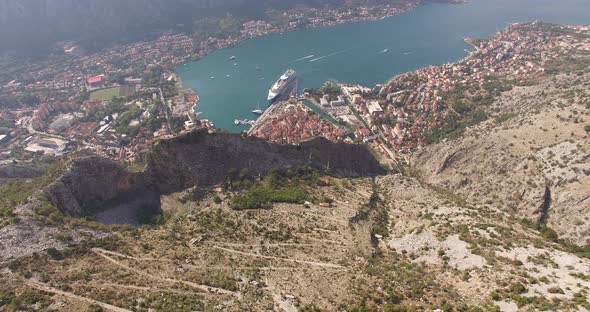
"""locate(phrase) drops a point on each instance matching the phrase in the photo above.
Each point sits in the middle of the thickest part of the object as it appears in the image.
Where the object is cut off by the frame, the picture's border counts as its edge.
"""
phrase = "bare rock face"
(103, 189)
(91, 184)
(203, 160)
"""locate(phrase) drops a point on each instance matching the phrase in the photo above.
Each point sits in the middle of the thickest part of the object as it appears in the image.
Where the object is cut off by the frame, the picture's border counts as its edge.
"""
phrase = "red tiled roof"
(94, 79)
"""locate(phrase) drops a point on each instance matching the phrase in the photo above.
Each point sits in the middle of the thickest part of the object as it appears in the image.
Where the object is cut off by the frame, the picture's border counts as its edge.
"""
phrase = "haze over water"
(366, 53)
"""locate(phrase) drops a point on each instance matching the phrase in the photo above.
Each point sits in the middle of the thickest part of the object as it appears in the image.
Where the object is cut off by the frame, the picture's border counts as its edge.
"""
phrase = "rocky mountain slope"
(102, 189)
(531, 160)
(395, 244)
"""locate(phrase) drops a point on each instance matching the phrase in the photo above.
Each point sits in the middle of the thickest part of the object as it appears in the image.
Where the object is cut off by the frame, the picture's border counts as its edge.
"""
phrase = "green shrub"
(277, 187)
(555, 290)
(517, 288)
(95, 308)
(55, 254)
(264, 197)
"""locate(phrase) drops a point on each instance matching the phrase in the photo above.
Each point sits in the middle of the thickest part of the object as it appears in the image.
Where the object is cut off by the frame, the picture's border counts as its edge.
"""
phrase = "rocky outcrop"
(103, 189)
(202, 160)
(93, 184)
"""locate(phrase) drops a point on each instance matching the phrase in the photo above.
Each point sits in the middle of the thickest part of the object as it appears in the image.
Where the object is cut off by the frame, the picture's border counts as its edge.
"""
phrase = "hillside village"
(427, 105)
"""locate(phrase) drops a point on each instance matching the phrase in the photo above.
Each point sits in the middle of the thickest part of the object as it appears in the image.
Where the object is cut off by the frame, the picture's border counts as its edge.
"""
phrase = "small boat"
(244, 122)
(227, 76)
(235, 64)
(232, 57)
(212, 77)
(258, 68)
(258, 111)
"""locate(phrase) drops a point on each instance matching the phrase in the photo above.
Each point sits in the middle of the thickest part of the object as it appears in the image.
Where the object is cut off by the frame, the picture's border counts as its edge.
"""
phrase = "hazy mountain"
(27, 25)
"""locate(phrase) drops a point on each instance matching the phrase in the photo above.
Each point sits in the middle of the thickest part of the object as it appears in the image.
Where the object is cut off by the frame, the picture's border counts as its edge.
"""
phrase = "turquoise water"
(366, 53)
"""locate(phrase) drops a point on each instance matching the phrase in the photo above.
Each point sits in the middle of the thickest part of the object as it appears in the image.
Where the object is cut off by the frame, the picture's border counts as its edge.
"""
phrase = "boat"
(244, 122)
(235, 64)
(281, 85)
(232, 57)
(258, 68)
(227, 76)
(258, 111)
(212, 77)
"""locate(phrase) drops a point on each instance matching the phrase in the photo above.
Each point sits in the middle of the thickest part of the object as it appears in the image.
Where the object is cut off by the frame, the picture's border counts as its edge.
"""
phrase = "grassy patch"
(261, 196)
(105, 94)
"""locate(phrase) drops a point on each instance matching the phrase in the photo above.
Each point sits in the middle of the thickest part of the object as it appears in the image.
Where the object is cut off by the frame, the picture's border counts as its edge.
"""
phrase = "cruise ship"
(282, 86)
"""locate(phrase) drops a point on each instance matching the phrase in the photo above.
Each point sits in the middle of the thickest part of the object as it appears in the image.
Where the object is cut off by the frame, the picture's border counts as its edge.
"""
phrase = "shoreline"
(411, 7)
(178, 65)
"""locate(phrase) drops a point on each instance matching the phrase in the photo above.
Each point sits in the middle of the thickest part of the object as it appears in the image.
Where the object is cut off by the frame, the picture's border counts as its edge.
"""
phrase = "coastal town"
(118, 102)
(292, 122)
(439, 102)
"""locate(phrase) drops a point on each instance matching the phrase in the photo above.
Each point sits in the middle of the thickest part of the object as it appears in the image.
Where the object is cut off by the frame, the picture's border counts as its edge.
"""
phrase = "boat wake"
(303, 58)
(325, 56)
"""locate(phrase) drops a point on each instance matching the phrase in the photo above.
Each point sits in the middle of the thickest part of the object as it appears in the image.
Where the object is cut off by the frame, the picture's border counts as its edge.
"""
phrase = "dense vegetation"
(277, 187)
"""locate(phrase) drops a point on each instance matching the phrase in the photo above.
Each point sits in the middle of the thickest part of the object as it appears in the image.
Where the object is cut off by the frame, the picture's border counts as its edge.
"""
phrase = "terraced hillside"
(395, 243)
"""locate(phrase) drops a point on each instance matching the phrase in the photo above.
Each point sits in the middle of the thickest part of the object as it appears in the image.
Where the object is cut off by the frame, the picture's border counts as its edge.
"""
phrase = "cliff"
(201, 159)
(93, 186)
